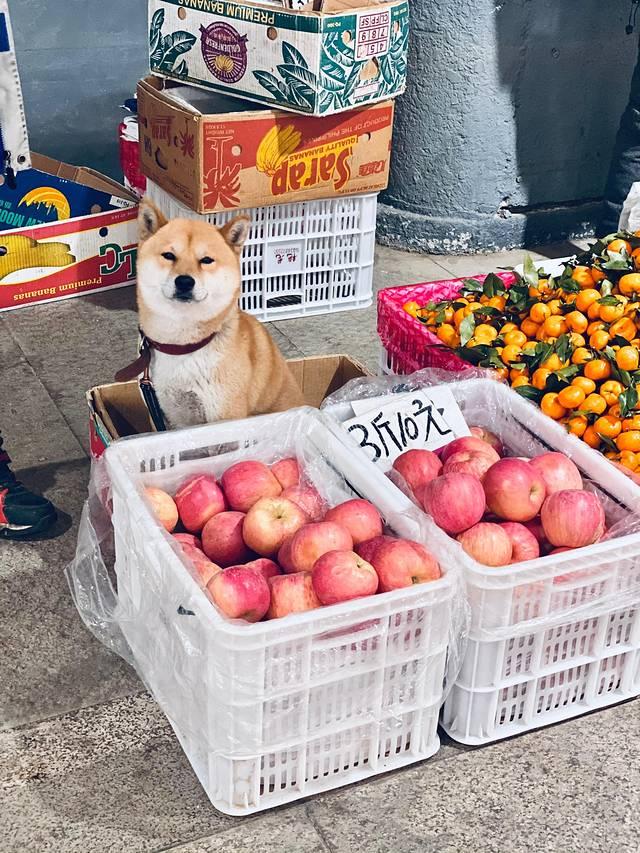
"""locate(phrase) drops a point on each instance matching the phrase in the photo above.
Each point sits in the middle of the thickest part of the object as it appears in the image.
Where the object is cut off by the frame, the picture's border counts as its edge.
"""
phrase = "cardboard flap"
(81, 175)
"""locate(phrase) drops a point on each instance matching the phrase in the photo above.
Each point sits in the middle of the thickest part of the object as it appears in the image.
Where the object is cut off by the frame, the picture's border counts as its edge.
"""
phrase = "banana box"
(217, 153)
(306, 61)
(35, 197)
(68, 254)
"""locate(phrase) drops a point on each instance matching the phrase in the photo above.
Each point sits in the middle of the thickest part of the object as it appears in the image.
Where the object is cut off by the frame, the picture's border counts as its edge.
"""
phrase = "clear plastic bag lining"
(236, 688)
(549, 591)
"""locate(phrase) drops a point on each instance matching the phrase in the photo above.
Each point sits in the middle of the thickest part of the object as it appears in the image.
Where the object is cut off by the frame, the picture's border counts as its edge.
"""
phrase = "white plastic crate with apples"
(301, 258)
(274, 711)
(549, 638)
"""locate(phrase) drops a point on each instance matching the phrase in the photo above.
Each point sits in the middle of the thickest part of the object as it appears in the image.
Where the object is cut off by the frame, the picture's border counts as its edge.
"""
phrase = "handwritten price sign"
(426, 419)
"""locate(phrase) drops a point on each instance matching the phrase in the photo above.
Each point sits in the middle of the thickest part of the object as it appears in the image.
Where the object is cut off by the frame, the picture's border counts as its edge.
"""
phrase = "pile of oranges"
(570, 343)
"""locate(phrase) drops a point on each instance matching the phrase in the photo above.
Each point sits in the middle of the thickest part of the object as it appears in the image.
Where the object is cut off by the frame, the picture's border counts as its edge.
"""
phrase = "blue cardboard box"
(39, 197)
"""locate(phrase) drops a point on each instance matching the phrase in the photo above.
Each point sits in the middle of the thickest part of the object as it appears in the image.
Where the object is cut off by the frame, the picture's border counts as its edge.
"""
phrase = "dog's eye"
(206, 260)
(169, 256)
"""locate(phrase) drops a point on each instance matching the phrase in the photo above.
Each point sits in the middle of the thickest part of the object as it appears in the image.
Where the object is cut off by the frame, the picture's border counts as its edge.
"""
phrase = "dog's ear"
(236, 232)
(150, 219)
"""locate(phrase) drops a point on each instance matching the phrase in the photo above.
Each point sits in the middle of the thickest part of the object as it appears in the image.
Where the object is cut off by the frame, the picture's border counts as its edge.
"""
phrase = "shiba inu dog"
(209, 360)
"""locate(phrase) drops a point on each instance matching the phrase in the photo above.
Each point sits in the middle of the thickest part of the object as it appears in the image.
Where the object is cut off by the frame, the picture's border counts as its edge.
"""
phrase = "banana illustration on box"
(276, 146)
(18, 252)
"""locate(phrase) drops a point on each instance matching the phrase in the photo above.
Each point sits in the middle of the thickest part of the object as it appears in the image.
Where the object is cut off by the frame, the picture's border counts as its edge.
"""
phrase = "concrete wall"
(503, 138)
(78, 61)
(509, 120)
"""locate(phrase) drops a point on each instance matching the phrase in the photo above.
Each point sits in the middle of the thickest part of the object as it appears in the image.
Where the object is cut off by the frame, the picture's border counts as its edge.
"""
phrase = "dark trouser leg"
(625, 163)
(4, 456)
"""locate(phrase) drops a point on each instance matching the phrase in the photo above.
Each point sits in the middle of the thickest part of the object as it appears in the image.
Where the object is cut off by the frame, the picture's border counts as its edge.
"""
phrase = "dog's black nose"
(184, 284)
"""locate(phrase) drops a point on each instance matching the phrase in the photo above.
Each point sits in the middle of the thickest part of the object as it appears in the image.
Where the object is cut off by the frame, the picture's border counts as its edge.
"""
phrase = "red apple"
(341, 576)
(308, 500)
(359, 517)
(535, 526)
(284, 556)
(558, 472)
(287, 472)
(514, 489)
(524, 544)
(467, 443)
(400, 564)
(292, 594)
(188, 539)
(487, 543)
(488, 437)
(269, 522)
(163, 506)
(205, 569)
(454, 501)
(197, 499)
(417, 467)
(240, 593)
(430, 566)
(314, 540)
(246, 482)
(267, 568)
(474, 462)
(367, 549)
(572, 518)
(222, 539)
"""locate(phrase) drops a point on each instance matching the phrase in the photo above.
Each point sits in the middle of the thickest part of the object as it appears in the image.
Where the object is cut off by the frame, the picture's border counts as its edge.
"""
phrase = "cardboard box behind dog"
(118, 410)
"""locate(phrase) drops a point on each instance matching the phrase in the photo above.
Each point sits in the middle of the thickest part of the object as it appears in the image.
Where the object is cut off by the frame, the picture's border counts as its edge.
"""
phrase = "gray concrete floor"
(89, 764)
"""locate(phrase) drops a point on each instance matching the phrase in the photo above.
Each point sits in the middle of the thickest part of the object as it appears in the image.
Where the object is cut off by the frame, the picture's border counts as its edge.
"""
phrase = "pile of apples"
(503, 510)
(266, 545)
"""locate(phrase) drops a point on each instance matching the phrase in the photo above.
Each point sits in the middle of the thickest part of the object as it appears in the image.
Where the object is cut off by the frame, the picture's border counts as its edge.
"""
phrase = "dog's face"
(186, 268)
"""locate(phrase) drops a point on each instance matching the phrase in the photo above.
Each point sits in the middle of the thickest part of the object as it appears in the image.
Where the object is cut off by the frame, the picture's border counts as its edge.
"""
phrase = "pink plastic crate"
(410, 346)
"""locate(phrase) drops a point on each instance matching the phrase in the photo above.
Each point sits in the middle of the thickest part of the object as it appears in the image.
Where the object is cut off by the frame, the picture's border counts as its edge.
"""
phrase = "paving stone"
(567, 788)
(287, 831)
(50, 663)
(105, 779)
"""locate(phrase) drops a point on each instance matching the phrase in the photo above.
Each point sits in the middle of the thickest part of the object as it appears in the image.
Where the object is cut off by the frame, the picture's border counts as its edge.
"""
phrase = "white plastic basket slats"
(274, 711)
(550, 638)
(302, 258)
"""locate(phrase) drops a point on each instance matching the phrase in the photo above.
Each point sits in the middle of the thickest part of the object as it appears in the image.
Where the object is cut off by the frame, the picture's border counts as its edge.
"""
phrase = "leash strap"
(142, 366)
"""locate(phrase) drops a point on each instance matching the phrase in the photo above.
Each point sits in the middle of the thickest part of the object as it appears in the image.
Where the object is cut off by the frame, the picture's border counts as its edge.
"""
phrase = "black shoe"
(22, 513)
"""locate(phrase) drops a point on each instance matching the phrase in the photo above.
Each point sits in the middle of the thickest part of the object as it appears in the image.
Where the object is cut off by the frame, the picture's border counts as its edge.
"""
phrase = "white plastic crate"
(303, 258)
(554, 637)
(271, 712)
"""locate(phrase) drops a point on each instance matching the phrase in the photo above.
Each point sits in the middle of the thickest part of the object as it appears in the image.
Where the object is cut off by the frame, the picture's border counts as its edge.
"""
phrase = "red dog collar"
(141, 364)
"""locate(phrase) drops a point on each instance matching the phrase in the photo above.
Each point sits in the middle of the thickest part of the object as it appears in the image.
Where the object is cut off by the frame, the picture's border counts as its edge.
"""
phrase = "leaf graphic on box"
(352, 82)
(399, 45)
(173, 46)
(292, 55)
(272, 84)
(296, 75)
(333, 69)
(326, 101)
(338, 51)
(181, 70)
(387, 71)
(301, 95)
(331, 83)
(155, 35)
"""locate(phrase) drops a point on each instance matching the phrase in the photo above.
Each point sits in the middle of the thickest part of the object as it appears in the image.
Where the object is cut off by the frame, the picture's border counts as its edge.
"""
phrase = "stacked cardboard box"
(257, 105)
(64, 230)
